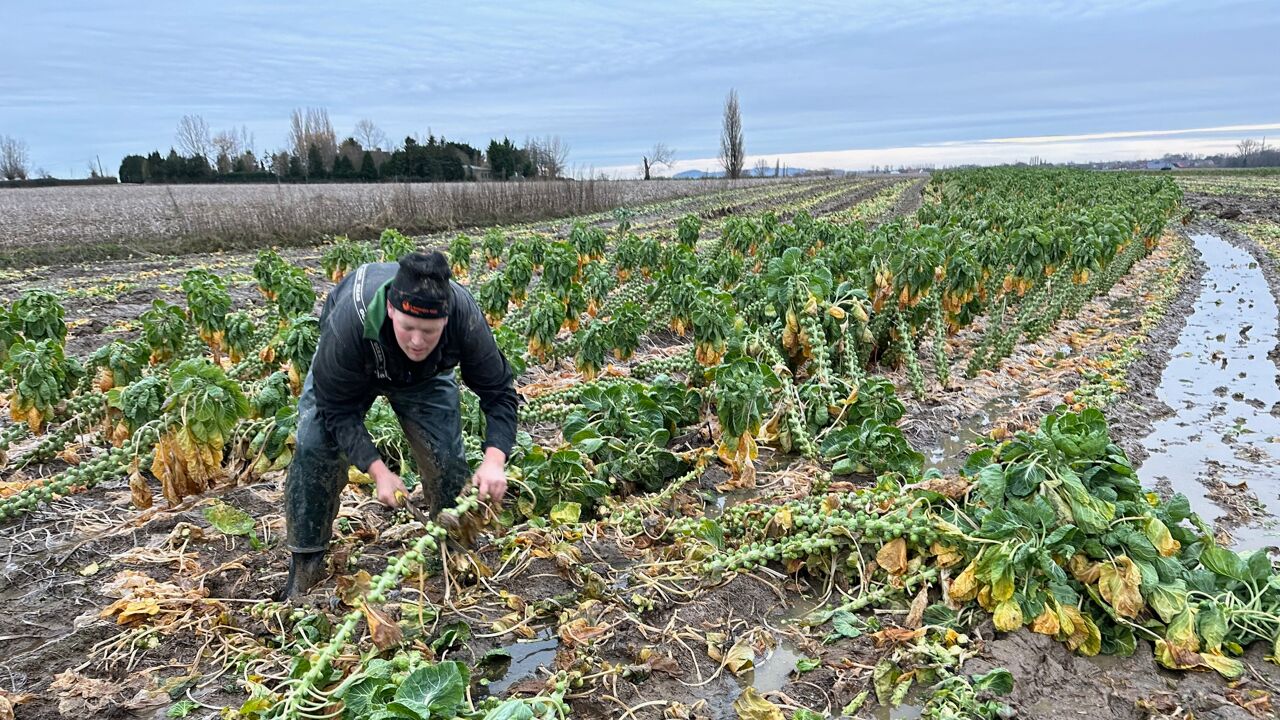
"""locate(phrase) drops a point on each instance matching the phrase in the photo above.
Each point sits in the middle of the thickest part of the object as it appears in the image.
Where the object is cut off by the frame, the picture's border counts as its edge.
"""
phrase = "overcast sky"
(843, 84)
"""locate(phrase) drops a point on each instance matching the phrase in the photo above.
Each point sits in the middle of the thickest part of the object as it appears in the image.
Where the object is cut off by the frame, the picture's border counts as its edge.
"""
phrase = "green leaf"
(1168, 600)
(402, 710)
(939, 615)
(1225, 563)
(804, 665)
(711, 531)
(180, 709)
(844, 466)
(806, 714)
(1000, 524)
(998, 681)
(366, 694)
(510, 710)
(1259, 564)
(228, 519)
(1212, 625)
(451, 635)
(1024, 478)
(1059, 535)
(440, 688)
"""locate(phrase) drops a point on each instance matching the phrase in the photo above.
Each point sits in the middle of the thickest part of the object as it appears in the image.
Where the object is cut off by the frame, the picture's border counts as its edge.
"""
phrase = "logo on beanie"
(419, 311)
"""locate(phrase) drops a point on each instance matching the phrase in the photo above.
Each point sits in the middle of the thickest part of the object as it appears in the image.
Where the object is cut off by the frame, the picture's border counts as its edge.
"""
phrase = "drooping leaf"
(1158, 533)
(998, 681)
(1008, 616)
(741, 658)
(1225, 563)
(1168, 600)
(385, 633)
(751, 706)
(1118, 581)
(893, 556)
(1212, 626)
(883, 679)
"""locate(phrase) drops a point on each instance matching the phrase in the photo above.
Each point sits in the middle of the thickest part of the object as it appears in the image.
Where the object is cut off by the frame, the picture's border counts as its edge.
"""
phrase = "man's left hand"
(491, 477)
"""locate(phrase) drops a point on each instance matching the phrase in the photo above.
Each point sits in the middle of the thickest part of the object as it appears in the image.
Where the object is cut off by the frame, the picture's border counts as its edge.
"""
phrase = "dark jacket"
(358, 359)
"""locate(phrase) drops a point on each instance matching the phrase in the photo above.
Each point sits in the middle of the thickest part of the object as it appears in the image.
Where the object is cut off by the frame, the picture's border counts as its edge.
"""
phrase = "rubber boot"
(305, 570)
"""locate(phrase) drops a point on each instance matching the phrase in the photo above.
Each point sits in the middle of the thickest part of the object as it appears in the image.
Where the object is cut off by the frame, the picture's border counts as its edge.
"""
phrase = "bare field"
(48, 224)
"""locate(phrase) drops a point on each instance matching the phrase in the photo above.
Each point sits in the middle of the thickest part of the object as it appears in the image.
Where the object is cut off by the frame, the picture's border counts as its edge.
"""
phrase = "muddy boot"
(305, 570)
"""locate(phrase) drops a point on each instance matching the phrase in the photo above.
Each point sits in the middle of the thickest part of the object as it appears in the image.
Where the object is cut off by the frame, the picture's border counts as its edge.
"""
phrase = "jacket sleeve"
(342, 388)
(485, 370)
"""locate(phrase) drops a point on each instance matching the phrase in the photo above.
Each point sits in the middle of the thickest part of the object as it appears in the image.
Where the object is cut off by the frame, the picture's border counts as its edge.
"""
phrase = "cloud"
(997, 151)
(1043, 139)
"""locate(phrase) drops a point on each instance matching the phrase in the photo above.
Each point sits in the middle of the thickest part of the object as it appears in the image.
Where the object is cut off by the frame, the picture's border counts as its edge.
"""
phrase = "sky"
(845, 84)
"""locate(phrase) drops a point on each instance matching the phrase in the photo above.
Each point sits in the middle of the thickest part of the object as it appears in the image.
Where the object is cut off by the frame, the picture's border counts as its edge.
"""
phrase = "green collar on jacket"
(376, 314)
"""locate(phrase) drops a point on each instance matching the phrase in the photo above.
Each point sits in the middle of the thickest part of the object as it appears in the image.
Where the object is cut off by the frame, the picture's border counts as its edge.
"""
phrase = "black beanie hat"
(421, 285)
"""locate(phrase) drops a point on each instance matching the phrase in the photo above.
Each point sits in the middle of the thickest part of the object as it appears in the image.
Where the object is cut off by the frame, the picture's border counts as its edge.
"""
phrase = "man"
(396, 330)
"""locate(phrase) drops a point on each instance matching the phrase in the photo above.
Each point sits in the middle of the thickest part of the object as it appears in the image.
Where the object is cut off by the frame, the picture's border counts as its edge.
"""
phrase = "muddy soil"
(1051, 683)
(1233, 207)
(99, 528)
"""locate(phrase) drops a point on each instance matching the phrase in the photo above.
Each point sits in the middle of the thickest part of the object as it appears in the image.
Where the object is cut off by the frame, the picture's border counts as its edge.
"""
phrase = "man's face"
(416, 336)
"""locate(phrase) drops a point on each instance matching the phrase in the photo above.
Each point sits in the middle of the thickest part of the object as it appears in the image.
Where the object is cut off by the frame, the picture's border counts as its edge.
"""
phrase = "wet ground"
(1223, 437)
(1048, 678)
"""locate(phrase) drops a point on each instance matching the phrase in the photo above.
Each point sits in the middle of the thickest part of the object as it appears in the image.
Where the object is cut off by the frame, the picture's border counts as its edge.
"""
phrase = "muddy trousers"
(429, 415)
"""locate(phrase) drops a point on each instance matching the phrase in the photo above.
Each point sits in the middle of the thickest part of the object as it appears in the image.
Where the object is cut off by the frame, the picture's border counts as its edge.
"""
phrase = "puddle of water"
(526, 658)
(953, 449)
(773, 672)
(718, 503)
(1221, 385)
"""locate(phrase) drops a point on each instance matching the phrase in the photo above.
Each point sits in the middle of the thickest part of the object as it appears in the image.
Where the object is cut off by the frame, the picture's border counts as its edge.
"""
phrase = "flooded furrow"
(1223, 439)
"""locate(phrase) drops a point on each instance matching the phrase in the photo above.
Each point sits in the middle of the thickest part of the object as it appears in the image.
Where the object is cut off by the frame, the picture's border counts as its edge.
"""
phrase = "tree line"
(313, 154)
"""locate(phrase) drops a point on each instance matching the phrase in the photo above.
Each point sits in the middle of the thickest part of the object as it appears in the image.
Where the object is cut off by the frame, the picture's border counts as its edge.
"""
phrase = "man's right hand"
(388, 485)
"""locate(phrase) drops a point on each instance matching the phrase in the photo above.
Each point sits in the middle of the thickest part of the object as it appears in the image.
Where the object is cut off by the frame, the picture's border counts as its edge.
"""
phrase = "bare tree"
(1247, 148)
(14, 159)
(555, 155)
(659, 155)
(369, 135)
(761, 168)
(312, 127)
(227, 144)
(193, 136)
(549, 156)
(732, 152)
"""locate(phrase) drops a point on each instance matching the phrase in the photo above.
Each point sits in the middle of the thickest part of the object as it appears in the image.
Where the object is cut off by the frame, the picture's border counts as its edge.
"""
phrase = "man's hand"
(387, 483)
(491, 476)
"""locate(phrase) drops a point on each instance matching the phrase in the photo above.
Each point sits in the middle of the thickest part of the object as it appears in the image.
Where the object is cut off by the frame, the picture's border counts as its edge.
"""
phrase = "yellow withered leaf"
(1008, 616)
(1046, 623)
(893, 556)
(965, 586)
(1118, 581)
